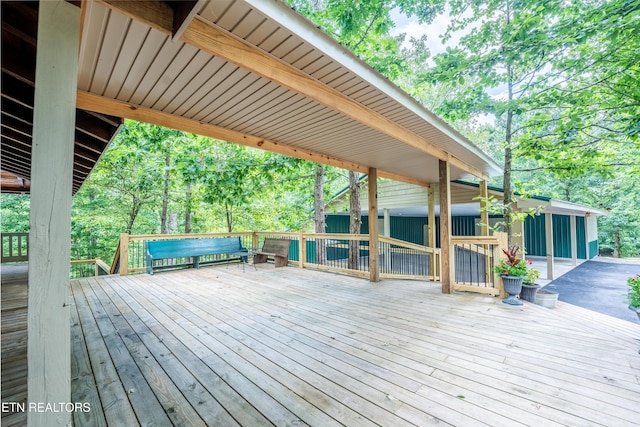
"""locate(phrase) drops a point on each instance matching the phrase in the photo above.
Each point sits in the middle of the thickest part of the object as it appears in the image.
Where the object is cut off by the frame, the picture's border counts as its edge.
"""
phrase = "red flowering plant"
(512, 265)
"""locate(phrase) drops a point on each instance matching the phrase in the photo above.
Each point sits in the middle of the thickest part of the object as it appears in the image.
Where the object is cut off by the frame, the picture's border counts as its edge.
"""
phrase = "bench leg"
(259, 258)
(281, 261)
(196, 262)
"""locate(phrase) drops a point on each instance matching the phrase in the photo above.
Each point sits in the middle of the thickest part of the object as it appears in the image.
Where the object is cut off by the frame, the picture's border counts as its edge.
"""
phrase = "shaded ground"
(599, 286)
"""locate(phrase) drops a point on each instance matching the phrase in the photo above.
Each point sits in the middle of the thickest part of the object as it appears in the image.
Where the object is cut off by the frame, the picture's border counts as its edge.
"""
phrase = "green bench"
(278, 249)
(194, 248)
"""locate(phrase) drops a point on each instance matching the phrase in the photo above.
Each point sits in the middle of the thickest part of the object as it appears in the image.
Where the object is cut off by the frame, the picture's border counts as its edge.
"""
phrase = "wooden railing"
(338, 252)
(88, 268)
(474, 259)
(15, 247)
(404, 260)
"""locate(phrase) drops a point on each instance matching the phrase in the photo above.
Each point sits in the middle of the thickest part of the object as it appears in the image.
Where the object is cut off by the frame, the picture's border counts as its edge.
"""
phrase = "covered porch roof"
(251, 72)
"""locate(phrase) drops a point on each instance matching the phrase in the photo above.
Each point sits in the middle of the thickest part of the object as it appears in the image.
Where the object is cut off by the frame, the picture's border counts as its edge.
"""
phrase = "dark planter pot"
(636, 309)
(512, 286)
(529, 292)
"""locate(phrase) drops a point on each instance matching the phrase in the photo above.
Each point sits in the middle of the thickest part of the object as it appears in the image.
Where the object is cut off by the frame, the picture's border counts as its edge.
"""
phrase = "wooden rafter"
(91, 102)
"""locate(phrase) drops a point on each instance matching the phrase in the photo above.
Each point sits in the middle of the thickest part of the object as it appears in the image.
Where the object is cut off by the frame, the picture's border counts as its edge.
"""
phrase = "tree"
(318, 204)
(355, 220)
(533, 54)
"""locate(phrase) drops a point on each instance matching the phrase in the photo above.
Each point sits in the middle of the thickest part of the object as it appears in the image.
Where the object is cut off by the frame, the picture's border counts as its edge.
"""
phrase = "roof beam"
(157, 14)
(99, 104)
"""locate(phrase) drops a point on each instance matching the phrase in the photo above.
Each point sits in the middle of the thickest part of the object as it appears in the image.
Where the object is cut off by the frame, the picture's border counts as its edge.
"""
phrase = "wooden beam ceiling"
(220, 43)
(93, 131)
(91, 102)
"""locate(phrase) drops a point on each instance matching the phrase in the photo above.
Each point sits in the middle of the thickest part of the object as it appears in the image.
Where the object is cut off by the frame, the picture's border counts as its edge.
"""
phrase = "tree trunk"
(616, 244)
(229, 214)
(164, 228)
(354, 219)
(133, 213)
(506, 183)
(187, 210)
(318, 202)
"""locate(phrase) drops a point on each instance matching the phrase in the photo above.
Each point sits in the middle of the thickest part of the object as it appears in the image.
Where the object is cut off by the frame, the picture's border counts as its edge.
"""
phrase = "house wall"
(536, 240)
(410, 229)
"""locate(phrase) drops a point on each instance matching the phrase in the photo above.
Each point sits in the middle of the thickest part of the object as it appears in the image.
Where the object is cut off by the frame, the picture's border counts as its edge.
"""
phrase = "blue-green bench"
(194, 248)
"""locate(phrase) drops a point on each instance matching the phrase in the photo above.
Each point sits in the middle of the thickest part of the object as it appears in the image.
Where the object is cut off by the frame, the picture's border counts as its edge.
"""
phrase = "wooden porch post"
(431, 227)
(484, 213)
(548, 225)
(49, 348)
(447, 271)
(374, 270)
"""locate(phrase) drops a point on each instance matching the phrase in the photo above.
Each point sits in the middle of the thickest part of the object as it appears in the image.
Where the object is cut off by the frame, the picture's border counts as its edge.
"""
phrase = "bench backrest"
(279, 247)
(193, 247)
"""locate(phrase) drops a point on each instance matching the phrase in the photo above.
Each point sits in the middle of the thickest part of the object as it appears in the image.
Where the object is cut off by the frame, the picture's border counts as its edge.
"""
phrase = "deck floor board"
(225, 346)
(299, 347)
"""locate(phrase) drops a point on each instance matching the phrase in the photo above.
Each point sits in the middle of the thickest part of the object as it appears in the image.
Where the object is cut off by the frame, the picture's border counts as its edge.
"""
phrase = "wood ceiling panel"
(150, 50)
(215, 9)
(303, 57)
(252, 113)
(232, 15)
(231, 95)
(259, 89)
(224, 89)
(115, 33)
(192, 69)
(207, 91)
(203, 82)
(248, 25)
(263, 30)
(173, 70)
(277, 114)
(131, 49)
(287, 46)
(299, 119)
(96, 20)
(158, 63)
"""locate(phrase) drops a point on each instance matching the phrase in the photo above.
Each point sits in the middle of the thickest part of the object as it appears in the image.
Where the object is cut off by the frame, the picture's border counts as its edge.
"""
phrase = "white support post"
(49, 348)
(548, 223)
(574, 240)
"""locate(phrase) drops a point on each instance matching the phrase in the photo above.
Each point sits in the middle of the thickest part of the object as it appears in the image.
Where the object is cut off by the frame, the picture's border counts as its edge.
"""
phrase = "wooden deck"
(13, 296)
(223, 347)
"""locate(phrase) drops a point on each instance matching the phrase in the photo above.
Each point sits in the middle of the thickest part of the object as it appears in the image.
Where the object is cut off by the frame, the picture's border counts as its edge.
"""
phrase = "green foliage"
(14, 211)
(512, 265)
(634, 291)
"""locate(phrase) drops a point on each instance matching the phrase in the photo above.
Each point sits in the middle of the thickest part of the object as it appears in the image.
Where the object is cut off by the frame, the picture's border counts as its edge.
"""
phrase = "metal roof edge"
(300, 25)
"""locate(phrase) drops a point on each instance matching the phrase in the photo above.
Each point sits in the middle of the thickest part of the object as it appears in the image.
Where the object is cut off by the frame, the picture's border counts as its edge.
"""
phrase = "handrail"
(307, 250)
(474, 261)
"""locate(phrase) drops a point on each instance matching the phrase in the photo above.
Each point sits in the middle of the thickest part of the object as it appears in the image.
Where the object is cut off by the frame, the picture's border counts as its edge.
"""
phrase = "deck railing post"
(503, 242)
(302, 249)
(254, 239)
(124, 254)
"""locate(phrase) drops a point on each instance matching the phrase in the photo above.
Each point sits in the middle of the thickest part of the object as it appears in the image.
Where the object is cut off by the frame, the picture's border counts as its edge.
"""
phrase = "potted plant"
(634, 294)
(513, 271)
(529, 287)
